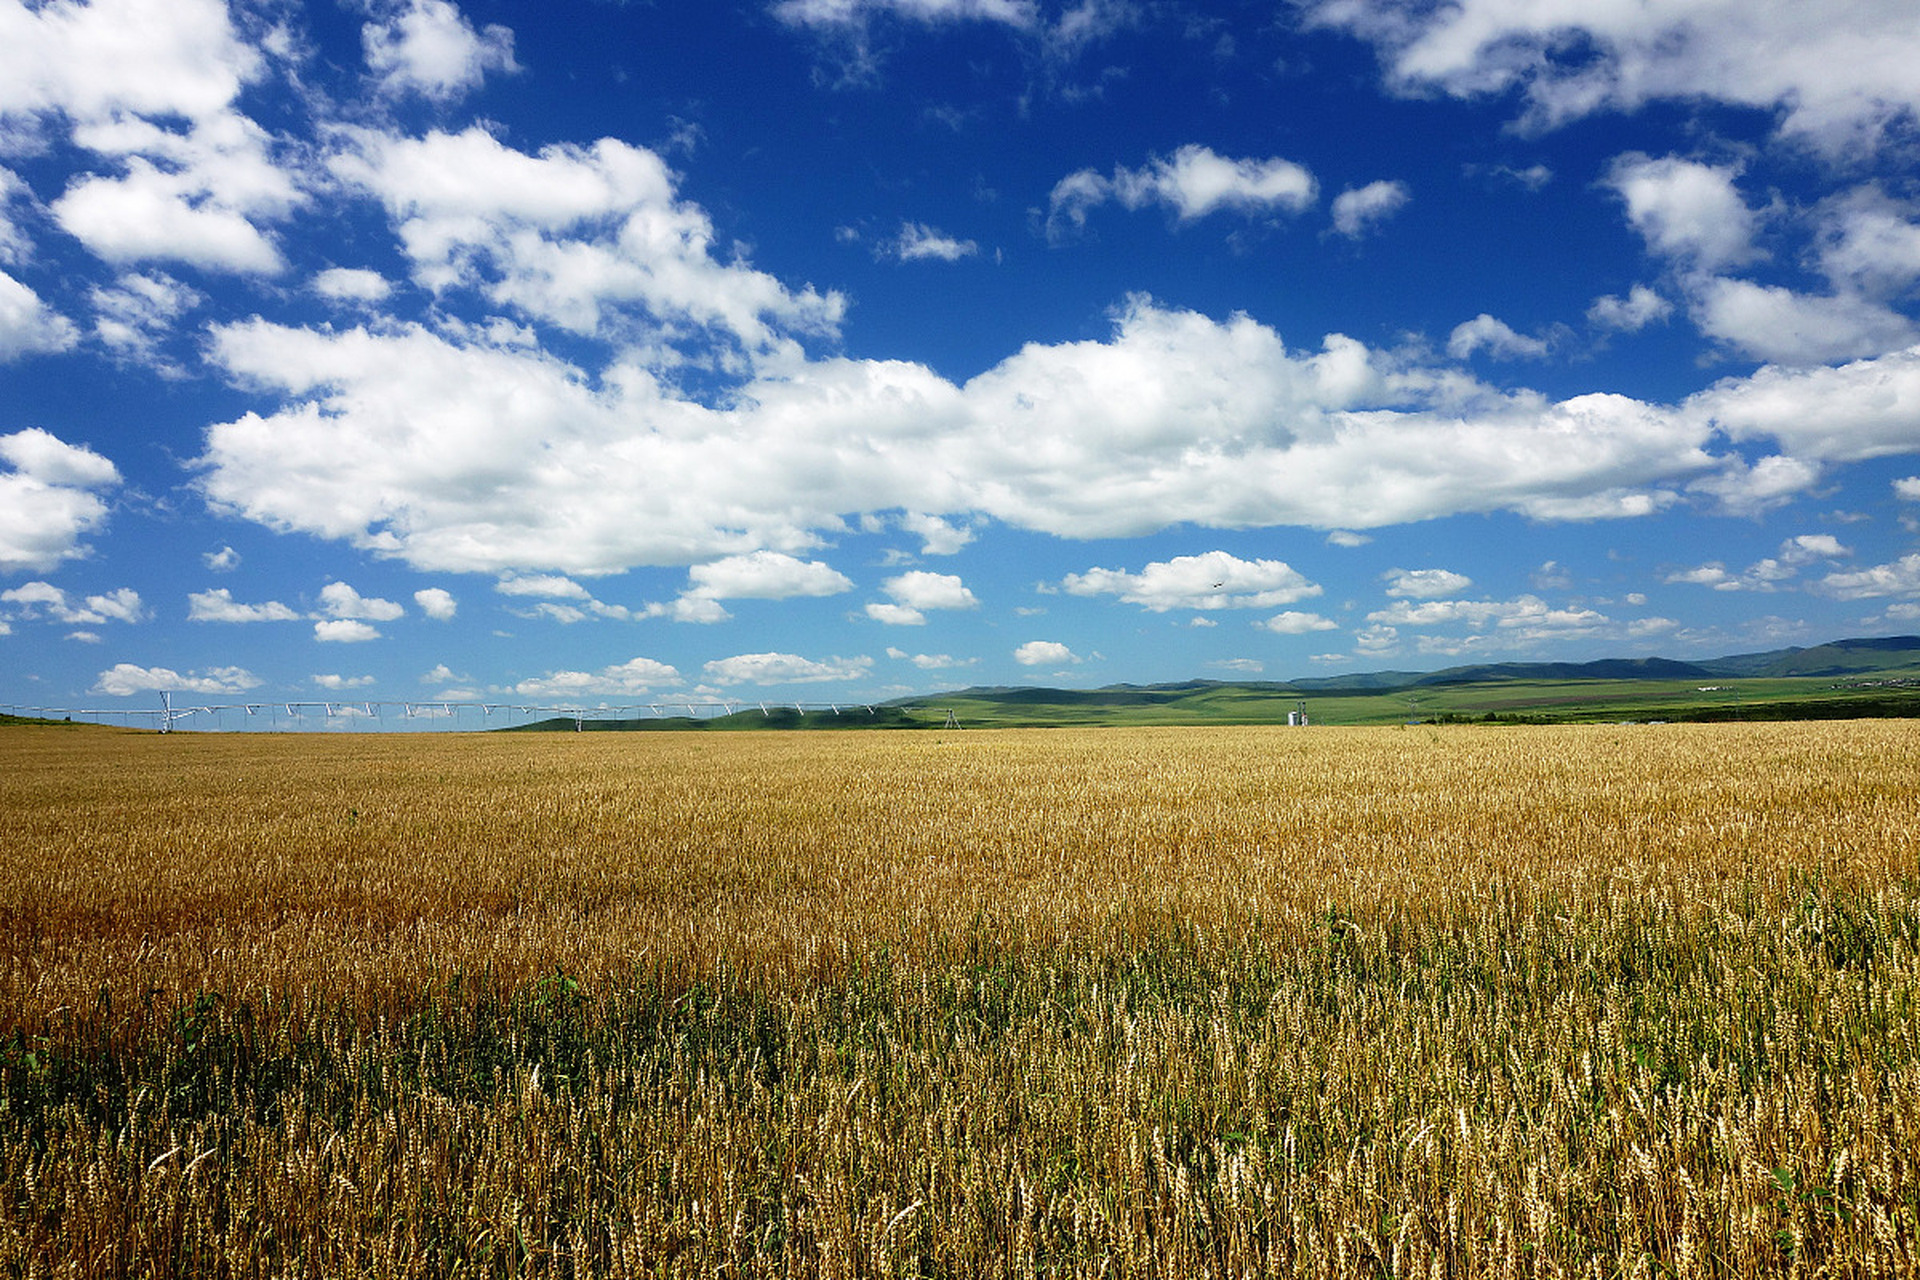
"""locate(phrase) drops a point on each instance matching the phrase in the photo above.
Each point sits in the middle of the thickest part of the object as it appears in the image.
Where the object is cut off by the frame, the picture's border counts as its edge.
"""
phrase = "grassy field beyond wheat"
(1596, 1001)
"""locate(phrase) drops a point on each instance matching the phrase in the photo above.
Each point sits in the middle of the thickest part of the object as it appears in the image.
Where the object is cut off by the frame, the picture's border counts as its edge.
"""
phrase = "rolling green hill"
(1844, 679)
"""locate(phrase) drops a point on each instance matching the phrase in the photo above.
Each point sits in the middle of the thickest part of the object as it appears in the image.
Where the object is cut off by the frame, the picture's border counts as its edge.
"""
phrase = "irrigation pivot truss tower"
(447, 714)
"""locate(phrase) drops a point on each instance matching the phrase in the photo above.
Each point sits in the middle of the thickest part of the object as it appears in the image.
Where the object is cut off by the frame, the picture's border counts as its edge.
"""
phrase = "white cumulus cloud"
(351, 284)
(49, 499)
(1774, 323)
(429, 47)
(1897, 578)
(43, 599)
(1496, 338)
(1839, 73)
(922, 590)
(765, 575)
(399, 442)
(631, 678)
(918, 242)
(1214, 580)
(916, 592)
(785, 668)
(1686, 209)
(1045, 653)
(1014, 13)
(437, 603)
(124, 679)
(1191, 183)
(219, 605)
(1425, 584)
(1529, 615)
(27, 325)
(345, 631)
(1641, 307)
(1291, 622)
(1358, 210)
(339, 600)
(593, 239)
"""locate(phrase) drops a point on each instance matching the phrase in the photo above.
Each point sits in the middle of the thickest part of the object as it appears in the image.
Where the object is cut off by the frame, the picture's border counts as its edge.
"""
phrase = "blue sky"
(837, 350)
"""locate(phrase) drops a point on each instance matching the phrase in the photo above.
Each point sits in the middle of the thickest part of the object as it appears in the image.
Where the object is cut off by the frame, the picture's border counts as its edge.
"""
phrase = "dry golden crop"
(1592, 1001)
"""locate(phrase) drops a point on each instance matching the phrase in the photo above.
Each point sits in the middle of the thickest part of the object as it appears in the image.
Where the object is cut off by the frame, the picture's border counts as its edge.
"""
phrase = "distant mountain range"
(1854, 657)
(1842, 680)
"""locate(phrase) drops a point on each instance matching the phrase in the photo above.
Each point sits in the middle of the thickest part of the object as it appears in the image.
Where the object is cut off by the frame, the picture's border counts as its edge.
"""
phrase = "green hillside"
(1844, 679)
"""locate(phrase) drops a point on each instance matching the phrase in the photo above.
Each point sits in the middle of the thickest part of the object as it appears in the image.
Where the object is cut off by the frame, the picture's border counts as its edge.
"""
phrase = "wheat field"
(1420, 1001)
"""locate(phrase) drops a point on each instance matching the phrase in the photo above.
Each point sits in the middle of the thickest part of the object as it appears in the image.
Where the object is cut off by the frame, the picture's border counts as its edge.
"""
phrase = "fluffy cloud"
(1763, 575)
(1045, 653)
(49, 499)
(340, 684)
(1898, 578)
(848, 21)
(1769, 322)
(461, 454)
(1641, 307)
(551, 586)
(1863, 409)
(428, 47)
(938, 537)
(1840, 72)
(1293, 623)
(140, 57)
(1192, 183)
(931, 661)
(765, 575)
(592, 239)
(1358, 210)
(1740, 489)
(151, 214)
(1869, 244)
(148, 88)
(138, 312)
(785, 668)
(125, 679)
(1425, 584)
(437, 603)
(1770, 573)
(759, 575)
(219, 605)
(1495, 337)
(44, 600)
(27, 325)
(627, 679)
(1907, 487)
(914, 593)
(1806, 548)
(338, 600)
(344, 631)
(1529, 615)
(895, 615)
(1685, 209)
(1215, 580)
(1014, 13)
(695, 609)
(351, 284)
(918, 242)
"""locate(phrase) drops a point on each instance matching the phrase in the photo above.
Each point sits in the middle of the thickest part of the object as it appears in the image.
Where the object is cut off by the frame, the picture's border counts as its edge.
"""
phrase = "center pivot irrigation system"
(378, 713)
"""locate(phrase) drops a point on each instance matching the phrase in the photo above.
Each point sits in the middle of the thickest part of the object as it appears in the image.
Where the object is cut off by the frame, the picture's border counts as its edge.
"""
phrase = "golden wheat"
(1585, 1001)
